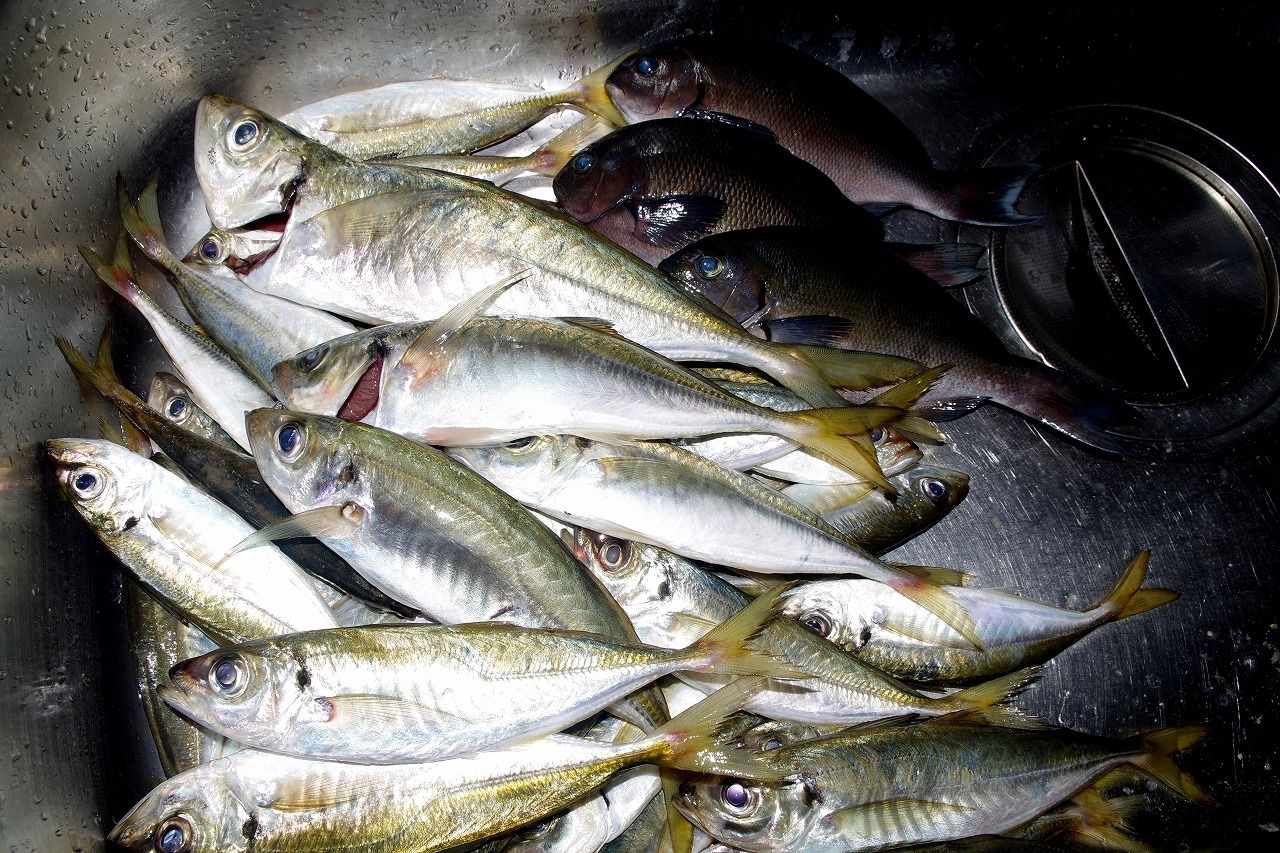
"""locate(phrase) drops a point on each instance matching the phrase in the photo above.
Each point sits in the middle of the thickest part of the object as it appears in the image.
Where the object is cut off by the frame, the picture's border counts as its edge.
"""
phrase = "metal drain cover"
(1151, 272)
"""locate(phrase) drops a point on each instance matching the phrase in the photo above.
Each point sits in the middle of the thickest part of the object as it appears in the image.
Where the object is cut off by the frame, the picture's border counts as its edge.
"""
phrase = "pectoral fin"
(675, 221)
(899, 820)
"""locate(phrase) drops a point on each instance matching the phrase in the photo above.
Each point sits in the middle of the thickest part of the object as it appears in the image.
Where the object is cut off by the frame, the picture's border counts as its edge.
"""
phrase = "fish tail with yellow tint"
(688, 740)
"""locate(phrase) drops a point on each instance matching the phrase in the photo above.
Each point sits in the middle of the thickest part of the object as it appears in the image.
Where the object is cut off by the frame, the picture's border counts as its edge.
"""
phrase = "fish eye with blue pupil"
(583, 162)
(709, 267)
(289, 440)
(174, 836)
(87, 484)
(646, 67)
(934, 488)
(227, 674)
(177, 407)
(877, 435)
(817, 623)
(244, 133)
(210, 250)
(735, 796)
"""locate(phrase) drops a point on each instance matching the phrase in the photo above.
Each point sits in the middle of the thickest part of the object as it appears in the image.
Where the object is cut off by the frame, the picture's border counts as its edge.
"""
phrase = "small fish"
(396, 244)
(441, 117)
(677, 500)
(159, 640)
(468, 380)
(260, 801)
(172, 538)
(395, 694)
(171, 397)
(221, 386)
(924, 496)
(229, 476)
(256, 329)
(657, 186)
(935, 780)
(818, 114)
(672, 603)
(776, 280)
(430, 533)
(909, 643)
(546, 160)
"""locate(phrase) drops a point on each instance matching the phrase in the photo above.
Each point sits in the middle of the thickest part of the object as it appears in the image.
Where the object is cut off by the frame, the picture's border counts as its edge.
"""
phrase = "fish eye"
(736, 797)
(211, 248)
(175, 835)
(817, 623)
(614, 553)
(87, 483)
(289, 438)
(709, 266)
(646, 66)
(933, 488)
(584, 162)
(877, 435)
(772, 743)
(228, 675)
(177, 408)
(244, 134)
(312, 357)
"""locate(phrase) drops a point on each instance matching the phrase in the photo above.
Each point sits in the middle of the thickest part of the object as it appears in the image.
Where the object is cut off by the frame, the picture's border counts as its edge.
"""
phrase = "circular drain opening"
(1150, 272)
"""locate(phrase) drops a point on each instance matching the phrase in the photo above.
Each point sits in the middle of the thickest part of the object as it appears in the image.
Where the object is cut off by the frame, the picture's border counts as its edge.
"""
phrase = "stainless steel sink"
(1153, 272)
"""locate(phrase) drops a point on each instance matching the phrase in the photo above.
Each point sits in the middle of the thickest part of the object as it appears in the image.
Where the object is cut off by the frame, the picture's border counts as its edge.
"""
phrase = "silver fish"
(677, 500)
(173, 538)
(171, 397)
(907, 642)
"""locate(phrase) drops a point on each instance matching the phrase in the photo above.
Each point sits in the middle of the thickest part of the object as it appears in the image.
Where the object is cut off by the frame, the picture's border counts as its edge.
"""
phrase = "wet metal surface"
(89, 89)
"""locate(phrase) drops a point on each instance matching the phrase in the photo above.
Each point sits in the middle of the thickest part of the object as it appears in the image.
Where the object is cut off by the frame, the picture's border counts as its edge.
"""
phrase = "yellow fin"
(590, 94)
(1158, 749)
(331, 521)
(987, 699)
(857, 370)
(724, 648)
(1129, 598)
(885, 817)
(688, 740)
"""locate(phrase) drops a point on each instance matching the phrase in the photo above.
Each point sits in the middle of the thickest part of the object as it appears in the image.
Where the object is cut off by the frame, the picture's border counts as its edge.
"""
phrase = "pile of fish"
(465, 525)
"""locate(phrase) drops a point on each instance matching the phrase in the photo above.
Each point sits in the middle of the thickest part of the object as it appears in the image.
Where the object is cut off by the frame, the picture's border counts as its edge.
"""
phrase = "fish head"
(193, 812)
(768, 735)
(728, 277)
(529, 469)
(339, 377)
(641, 577)
(238, 252)
(599, 178)
(308, 460)
(251, 693)
(660, 82)
(846, 612)
(746, 814)
(248, 164)
(934, 491)
(171, 397)
(895, 452)
(108, 484)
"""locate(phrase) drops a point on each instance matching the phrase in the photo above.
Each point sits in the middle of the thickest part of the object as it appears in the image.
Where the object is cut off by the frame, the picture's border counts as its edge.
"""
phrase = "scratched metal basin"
(1152, 272)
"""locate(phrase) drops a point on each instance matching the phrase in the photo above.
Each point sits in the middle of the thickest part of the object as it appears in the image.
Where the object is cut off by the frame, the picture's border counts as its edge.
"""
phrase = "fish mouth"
(363, 398)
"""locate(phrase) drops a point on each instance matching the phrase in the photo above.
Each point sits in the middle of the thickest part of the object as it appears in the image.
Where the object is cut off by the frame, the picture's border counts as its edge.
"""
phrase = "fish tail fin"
(1129, 598)
(938, 601)
(724, 649)
(854, 369)
(589, 93)
(556, 152)
(142, 221)
(1104, 823)
(80, 366)
(1156, 760)
(832, 433)
(104, 365)
(949, 264)
(1074, 408)
(118, 273)
(989, 699)
(985, 196)
(688, 740)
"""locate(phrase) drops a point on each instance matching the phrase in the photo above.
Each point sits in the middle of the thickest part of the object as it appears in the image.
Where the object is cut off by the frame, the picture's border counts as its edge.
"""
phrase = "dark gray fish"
(819, 115)
(789, 282)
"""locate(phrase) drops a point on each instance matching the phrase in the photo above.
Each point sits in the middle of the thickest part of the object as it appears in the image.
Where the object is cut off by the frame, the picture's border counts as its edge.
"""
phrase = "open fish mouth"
(363, 398)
